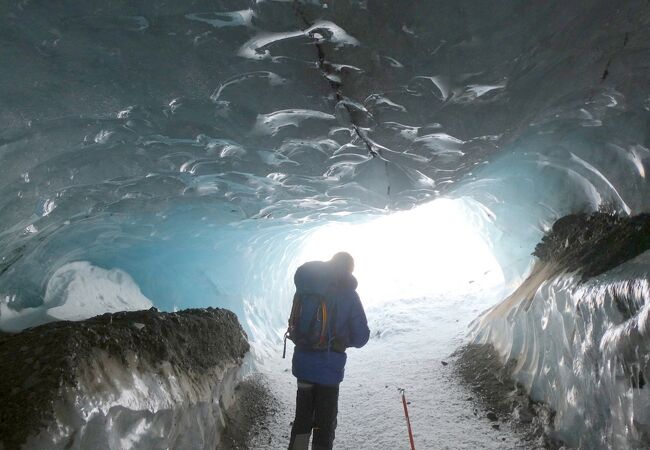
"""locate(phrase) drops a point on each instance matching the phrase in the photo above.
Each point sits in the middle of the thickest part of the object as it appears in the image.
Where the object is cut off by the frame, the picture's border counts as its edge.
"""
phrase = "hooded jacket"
(327, 367)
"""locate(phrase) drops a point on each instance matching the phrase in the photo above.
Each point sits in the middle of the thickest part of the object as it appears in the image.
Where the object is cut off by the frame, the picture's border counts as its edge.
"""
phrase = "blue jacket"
(327, 367)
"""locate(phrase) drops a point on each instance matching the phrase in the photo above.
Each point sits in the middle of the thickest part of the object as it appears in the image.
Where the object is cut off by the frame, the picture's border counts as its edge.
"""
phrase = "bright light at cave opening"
(428, 250)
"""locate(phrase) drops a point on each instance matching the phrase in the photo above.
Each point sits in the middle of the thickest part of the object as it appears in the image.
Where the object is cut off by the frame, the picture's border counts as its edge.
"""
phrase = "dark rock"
(594, 243)
(191, 341)
(523, 415)
(480, 368)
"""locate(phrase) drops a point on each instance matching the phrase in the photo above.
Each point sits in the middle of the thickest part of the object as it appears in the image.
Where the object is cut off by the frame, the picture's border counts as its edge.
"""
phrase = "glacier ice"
(191, 149)
(78, 291)
(575, 331)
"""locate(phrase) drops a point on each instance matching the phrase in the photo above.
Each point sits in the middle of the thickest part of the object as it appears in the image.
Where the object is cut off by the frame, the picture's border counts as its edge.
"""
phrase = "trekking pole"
(406, 414)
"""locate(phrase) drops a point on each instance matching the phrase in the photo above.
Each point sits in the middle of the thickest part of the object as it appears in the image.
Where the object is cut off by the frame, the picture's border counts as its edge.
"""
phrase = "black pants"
(316, 408)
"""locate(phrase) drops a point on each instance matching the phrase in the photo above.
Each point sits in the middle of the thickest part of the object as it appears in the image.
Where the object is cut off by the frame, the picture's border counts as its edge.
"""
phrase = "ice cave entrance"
(424, 275)
(436, 247)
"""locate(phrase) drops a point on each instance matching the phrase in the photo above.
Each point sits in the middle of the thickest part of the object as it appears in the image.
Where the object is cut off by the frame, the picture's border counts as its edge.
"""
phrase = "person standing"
(338, 322)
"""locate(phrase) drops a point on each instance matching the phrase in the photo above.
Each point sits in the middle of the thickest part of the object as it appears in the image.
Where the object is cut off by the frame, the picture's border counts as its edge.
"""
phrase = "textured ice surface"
(580, 343)
(576, 351)
(195, 145)
(355, 107)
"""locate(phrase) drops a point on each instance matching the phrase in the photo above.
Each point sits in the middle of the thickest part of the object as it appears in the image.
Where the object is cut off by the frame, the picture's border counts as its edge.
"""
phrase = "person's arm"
(358, 324)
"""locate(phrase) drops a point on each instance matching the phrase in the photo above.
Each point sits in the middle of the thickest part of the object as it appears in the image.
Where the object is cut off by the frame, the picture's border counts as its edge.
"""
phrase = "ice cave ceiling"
(128, 128)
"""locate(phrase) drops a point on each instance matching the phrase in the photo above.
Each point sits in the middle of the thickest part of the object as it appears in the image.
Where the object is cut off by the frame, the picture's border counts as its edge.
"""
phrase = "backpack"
(311, 323)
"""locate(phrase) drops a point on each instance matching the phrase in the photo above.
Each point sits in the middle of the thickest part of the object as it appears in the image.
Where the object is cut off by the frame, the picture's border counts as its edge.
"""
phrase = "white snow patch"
(78, 291)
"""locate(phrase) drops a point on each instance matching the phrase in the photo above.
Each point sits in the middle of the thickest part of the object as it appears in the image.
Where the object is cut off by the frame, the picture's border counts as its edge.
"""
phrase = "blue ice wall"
(140, 135)
(187, 148)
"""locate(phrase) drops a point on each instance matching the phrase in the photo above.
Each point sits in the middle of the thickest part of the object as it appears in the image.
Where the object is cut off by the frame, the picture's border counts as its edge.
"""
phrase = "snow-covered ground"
(410, 348)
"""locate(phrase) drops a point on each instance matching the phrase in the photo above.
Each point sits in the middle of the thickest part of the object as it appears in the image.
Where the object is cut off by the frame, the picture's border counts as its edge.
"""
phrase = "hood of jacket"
(319, 277)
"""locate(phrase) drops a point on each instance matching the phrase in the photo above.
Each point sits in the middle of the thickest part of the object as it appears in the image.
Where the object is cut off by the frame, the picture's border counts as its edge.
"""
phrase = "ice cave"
(165, 167)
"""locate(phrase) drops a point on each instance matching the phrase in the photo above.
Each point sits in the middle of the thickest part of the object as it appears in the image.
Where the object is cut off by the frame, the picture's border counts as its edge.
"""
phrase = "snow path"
(410, 341)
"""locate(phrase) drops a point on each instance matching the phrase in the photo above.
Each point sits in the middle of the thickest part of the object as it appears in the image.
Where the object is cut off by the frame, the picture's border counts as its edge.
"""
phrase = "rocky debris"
(248, 418)
(594, 243)
(479, 367)
(39, 364)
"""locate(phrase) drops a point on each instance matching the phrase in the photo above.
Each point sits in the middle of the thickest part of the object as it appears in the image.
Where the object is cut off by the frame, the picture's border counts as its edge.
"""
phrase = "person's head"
(343, 261)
